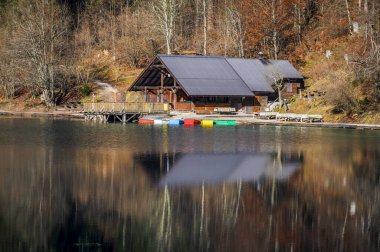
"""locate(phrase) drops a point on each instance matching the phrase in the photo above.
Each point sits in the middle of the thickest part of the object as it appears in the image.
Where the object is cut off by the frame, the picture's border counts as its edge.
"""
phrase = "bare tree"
(274, 32)
(166, 12)
(7, 84)
(40, 40)
(367, 69)
(235, 19)
(205, 25)
(278, 84)
(348, 15)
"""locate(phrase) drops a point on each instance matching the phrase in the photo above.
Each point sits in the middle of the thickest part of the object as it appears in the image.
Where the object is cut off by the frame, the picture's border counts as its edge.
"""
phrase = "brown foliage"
(111, 36)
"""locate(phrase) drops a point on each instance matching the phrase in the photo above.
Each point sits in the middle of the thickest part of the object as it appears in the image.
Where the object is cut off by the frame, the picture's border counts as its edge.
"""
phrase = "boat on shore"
(225, 122)
(176, 122)
(207, 123)
(158, 121)
(191, 122)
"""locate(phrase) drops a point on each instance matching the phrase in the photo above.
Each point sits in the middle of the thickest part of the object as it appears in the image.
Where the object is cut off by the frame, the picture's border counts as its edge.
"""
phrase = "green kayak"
(225, 122)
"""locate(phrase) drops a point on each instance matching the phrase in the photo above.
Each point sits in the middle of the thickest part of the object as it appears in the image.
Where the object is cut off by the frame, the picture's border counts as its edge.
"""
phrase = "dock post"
(124, 118)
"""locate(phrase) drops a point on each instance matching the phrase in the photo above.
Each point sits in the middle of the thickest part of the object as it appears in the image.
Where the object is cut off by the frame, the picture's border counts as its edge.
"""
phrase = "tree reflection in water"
(286, 189)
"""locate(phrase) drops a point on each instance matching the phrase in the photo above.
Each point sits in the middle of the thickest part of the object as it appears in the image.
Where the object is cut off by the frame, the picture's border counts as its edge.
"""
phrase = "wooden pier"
(121, 111)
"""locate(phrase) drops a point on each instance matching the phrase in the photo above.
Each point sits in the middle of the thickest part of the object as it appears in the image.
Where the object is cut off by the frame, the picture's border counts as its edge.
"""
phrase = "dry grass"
(337, 79)
(317, 107)
(371, 118)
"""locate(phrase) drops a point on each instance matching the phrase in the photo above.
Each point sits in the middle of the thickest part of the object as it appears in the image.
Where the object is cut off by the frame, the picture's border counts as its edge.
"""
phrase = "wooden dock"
(121, 111)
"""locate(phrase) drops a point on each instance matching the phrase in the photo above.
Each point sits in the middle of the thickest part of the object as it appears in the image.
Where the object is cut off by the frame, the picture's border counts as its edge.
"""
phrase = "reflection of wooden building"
(200, 168)
(202, 83)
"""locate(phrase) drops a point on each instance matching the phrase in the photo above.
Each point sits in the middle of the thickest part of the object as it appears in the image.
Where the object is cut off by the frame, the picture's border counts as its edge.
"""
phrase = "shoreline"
(240, 119)
(36, 114)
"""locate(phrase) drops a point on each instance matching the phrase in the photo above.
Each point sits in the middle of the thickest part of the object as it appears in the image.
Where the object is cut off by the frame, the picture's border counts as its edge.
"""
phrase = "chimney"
(261, 55)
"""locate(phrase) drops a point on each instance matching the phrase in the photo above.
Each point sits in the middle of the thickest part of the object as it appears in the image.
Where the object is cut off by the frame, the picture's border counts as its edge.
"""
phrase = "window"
(289, 87)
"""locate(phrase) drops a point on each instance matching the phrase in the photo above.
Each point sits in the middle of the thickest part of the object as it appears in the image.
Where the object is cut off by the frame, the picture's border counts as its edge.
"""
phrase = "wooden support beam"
(154, 87)
(162, 88)
(131, 118)
(157, 66)
(175, 94)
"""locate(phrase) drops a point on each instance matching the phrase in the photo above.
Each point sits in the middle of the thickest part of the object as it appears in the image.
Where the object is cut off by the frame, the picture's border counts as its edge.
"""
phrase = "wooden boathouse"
(205, 84)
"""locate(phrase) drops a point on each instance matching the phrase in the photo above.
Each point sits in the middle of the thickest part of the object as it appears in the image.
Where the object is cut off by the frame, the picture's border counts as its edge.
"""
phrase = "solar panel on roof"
(205, 75)
(287, 70)
(260, 75)
(252, 73)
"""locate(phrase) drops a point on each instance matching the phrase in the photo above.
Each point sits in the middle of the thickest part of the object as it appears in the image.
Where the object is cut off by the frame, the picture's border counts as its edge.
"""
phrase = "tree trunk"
(349, 16)
(205, 26)
(274, 35)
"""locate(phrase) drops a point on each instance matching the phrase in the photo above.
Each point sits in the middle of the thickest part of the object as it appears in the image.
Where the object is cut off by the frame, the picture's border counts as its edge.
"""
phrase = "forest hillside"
(53, 51)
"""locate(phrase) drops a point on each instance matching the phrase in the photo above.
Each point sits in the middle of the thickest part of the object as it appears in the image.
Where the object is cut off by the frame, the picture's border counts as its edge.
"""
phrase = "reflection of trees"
(313, 211)
(107, 198)
(165, 227)
(30, 202)
(123, 198)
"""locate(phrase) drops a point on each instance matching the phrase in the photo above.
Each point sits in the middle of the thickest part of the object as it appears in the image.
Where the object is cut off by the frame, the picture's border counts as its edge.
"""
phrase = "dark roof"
(252, 73)
(198, 168)
(218, 76)
(284, 67)
(205, 75)
(260, 75)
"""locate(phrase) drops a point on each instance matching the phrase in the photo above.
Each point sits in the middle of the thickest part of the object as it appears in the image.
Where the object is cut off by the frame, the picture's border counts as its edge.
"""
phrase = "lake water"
(77, 186)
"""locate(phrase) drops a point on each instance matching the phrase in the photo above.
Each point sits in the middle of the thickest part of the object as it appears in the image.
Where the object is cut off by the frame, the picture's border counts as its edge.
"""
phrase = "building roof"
(261, 74)
(217, 76)
(284, 67)
(205, 75)
(253, 74)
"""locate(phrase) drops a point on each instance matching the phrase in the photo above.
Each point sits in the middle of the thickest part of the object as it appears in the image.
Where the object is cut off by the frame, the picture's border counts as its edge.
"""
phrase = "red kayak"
(146, 121)
(191, 122)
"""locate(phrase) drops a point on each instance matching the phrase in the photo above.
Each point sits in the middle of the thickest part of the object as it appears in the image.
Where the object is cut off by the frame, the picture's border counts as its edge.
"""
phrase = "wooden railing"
(125, 107)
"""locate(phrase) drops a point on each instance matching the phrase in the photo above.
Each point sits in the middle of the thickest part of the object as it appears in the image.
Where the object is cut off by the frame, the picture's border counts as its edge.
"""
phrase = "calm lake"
(77, 186)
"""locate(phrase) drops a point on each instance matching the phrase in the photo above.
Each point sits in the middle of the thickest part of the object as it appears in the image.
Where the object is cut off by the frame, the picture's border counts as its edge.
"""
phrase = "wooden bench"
(267, 115)
(299, 118)
(203, 112)
(290, 117)
(282, 117)
(315, 118)
(225, 110)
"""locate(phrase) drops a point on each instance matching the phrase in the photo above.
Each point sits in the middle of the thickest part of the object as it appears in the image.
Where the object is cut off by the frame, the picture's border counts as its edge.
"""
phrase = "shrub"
(86, 90)
(339, 92)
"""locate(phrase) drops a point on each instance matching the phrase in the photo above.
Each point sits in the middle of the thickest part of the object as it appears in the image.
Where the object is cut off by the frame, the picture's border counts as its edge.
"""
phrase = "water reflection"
(70, 186)
(196, 169)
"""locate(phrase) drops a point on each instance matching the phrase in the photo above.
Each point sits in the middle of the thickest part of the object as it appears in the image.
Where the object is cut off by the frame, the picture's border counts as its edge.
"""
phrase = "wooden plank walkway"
(316, 124)
(121, 111)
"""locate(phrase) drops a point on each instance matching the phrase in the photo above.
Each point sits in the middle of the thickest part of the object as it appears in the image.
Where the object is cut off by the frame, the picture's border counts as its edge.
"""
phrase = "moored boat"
(175, 122)
(225, 122)
(191, 122)
(207, 123)
(145, 121)
(158, 122)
